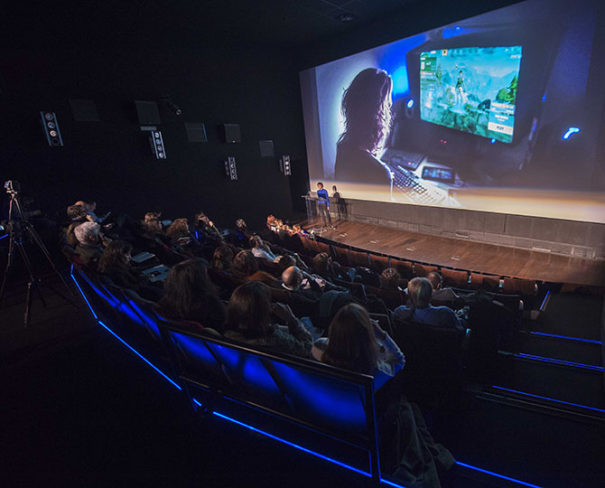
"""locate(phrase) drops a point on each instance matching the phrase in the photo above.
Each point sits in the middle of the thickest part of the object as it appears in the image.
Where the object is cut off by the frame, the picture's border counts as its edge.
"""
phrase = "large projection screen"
(502, 112)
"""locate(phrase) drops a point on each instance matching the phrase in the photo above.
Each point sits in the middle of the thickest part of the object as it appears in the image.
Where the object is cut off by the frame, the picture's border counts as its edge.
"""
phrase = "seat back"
(405, 268)
(301, 397)
(434, 355)
(421, 270)
(451, 277)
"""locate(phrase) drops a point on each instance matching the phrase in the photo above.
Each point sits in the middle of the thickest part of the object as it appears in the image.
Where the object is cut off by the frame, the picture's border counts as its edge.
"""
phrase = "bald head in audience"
(292, 278)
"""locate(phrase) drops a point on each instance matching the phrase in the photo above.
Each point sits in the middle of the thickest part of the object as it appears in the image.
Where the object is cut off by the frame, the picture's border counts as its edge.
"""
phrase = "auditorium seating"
(379, 263)
(434, 356)
(421, 270)
(320, 409)
(454, 278)
(405, 268)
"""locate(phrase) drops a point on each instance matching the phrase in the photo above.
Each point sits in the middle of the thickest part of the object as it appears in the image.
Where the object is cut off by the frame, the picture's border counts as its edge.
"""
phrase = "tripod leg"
(32, 283)
(38, 240)
(9, 263)
(28, 303)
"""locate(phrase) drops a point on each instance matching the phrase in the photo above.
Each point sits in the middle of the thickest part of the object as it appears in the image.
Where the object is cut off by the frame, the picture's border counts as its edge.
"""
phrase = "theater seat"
(341, 255)
(358, 258)
(451, 277)
(421, 270)
(405, 268)
(434, 357)
(379, 263)
(517, 286)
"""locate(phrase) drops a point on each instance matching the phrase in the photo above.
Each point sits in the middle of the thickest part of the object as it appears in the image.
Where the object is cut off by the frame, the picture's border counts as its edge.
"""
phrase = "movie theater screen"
(502, 112)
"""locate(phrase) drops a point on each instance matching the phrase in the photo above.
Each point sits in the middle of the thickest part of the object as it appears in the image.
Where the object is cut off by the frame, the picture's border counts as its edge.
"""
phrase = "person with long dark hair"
(366, 107)
(408, 450)
(357, 343)
(249, 320)
(190, 295)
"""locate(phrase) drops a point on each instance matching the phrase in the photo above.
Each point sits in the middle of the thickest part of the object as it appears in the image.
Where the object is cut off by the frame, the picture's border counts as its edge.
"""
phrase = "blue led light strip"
(2, 237)
(158, 370)
(71, 273)
(267, 434)
(297, 446)
(491, 473)
(177, 386)
(559, 362)
(567, 338)
(547, 398)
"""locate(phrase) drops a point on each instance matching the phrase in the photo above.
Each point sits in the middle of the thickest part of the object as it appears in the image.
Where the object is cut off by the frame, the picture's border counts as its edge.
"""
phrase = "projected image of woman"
(366, 107)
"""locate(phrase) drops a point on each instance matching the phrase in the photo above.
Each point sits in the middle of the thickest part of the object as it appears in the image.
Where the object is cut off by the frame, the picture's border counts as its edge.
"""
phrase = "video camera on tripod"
(18, 225)
(12, 187)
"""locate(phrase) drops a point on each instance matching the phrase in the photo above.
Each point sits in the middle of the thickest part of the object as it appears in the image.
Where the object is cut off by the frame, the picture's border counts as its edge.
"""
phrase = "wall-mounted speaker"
(147, 112)
(51, 129)
(232, 133)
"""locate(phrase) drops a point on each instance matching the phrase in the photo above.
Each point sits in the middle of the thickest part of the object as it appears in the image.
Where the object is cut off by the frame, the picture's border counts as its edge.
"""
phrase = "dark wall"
(111, 161)
(411, 19)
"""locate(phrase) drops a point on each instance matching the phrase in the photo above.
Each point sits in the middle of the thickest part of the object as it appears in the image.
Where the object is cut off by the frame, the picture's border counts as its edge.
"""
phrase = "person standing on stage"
(323, 205)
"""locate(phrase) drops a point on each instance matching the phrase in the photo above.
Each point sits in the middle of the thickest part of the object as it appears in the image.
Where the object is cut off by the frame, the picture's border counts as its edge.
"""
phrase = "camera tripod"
(18, 225)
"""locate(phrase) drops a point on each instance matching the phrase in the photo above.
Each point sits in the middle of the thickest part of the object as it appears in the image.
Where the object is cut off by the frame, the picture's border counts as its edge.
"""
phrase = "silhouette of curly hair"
(366, 107)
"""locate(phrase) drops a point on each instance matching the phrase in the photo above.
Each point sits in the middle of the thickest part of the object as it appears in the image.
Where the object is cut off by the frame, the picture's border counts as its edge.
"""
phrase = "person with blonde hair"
(420, 310)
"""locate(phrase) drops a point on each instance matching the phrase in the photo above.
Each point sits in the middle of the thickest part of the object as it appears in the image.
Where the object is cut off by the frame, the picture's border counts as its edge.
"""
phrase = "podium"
(311, 206)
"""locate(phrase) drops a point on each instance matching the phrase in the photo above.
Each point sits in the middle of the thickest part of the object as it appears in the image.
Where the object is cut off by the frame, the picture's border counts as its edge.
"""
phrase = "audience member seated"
(357, 343)
(261, 250)
(297, 281)
(152, 224)
(408, 451)
(190, 295)
(245, 267)
(390, 279)
(178, 231)
(115, 263)
(421, 310)
(285, 261)
(241, 236)
(89, 248)
(222, 258)
(324, 266)
(207, 227)
(181, 239)
(249, 321)
(90, 208)
(441, 295)
(76, 215)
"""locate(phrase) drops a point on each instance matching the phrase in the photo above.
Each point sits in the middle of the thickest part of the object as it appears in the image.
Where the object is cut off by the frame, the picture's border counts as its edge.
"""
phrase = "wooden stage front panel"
(467, 255)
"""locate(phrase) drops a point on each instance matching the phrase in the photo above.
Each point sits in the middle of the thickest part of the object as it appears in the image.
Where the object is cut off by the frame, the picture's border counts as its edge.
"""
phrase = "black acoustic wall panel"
(232, 133)
(147, 112)
(84, 110)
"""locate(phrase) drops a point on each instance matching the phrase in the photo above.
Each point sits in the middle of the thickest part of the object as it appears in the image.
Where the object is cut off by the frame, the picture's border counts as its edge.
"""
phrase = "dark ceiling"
(138, 23)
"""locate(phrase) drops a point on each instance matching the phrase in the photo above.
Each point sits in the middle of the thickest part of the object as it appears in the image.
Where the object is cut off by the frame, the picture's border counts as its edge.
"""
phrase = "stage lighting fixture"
(51, 129)
(157, 142)
(231, 168)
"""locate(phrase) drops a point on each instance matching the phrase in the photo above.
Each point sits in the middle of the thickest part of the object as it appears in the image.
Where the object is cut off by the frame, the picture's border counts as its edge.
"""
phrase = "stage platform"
(467, 255)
